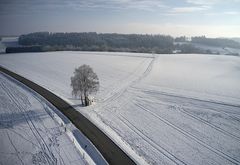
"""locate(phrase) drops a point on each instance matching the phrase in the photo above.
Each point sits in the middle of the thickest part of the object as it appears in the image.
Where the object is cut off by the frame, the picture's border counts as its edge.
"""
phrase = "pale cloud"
(231, 13)
(196, 6)
(33, 6)
(203, 5)
(210, 2)
(226, 13)
(203, 2)
(182, 29)
(179, 10)
(118, 4)
(23, 6)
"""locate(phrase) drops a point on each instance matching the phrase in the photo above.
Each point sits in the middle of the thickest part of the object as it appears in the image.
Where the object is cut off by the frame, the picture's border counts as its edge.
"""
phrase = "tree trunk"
(88, 101)
(85, 99)
(82, 100)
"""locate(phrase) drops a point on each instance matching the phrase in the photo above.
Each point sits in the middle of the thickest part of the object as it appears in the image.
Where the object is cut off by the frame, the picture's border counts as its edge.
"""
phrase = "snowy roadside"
(54, 139)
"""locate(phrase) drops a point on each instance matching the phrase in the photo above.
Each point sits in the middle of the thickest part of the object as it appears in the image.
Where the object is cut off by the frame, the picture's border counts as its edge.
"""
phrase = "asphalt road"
(110, 151)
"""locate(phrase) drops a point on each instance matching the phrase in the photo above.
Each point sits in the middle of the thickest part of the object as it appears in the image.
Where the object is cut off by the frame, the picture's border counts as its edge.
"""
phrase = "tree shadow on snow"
(9, 120)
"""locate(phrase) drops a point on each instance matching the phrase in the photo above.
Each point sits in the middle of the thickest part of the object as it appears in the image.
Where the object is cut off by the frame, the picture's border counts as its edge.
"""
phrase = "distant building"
(176, 51)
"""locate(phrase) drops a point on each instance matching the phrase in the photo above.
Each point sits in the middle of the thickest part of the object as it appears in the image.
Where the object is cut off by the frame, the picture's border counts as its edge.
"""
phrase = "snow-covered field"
(32, 131)
(29, 133)
(162, 109)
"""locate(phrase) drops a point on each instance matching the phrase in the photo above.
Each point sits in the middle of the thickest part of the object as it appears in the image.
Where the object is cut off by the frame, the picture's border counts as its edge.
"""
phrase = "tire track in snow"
(45, 107)
(123, 83)
(147, 71)
(30, 119)
(191, 136)
(47, 134)
(17, 152)
(194, 99)
(120, 91)
(24, 138)
(47, 130)
(159, 148)
(181, 109)
(19, 107)
(50, 158)
(10, 120)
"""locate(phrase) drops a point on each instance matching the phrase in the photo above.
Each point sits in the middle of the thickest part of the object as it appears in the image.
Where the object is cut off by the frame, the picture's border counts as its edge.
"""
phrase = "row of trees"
(180, 39)
(189, 48)
(99, 42)
(221, 42)
(45, 41)
(24, 49)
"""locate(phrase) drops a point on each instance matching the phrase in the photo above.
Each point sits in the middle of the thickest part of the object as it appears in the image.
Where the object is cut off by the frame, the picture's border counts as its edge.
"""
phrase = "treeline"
(24, 49)
(45, 41)
(189, 48)
(99, 42)
(221, 42)
(218, 42)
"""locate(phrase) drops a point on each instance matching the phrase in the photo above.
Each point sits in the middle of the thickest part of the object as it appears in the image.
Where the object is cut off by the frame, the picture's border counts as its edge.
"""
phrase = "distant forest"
(220, 42)
(45, 41)
(99, 42)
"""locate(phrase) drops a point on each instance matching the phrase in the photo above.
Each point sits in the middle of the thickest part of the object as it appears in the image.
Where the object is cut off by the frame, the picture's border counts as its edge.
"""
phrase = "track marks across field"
(190, 135)
(47, 154)
(28, 118)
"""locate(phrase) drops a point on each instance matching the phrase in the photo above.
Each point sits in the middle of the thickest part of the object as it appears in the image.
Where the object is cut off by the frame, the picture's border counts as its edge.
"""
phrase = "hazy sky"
(213, 18)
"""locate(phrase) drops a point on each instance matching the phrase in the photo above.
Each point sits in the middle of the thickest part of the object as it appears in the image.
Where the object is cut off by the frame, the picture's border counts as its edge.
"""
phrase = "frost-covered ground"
(162, 109)
(32, 133)
(29, 135)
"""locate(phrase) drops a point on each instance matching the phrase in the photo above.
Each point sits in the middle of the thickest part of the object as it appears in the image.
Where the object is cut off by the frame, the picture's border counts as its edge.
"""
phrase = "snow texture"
(161, 109)
(32, 131)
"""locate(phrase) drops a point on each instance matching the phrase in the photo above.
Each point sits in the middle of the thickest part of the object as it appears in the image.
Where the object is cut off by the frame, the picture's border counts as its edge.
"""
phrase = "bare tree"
(84, 82)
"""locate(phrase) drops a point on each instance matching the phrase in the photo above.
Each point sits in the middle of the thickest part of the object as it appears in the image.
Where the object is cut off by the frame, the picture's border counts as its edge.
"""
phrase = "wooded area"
(113, 42)
(221, 42)
(99, 42)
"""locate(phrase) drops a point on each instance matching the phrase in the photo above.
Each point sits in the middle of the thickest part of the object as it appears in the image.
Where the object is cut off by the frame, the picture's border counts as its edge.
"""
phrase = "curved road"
(110, 151)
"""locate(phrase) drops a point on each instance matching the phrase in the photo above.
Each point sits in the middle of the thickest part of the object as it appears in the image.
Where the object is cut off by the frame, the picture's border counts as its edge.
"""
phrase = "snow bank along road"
(171, 109)
(29, 132)
(112, 153)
